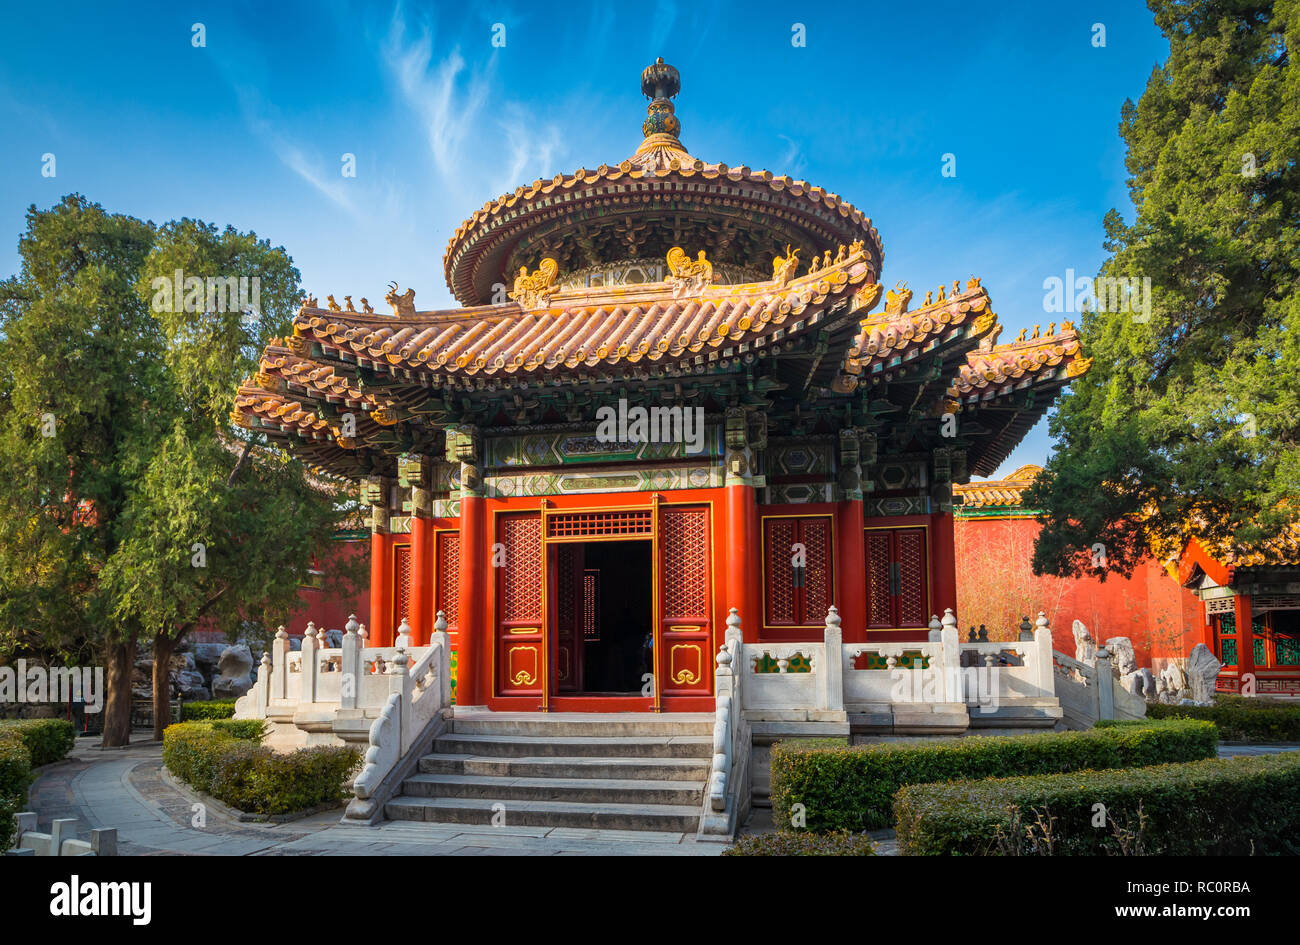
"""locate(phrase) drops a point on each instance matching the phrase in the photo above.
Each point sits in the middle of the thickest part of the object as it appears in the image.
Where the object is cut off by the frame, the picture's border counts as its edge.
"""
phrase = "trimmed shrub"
(255, 779)
(247, 729)
(47, 740)
(803, 843)
(15, 779)
(1216, 807)
(852, 788)
(1241, 719)
(191, 751)
(199, 711)
(225, 759)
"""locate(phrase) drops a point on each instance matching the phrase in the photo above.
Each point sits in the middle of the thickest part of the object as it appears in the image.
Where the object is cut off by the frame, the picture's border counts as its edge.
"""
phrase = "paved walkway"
(124, 789)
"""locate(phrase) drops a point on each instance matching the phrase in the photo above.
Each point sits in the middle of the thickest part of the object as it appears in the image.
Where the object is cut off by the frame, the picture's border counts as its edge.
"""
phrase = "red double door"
(549, 605)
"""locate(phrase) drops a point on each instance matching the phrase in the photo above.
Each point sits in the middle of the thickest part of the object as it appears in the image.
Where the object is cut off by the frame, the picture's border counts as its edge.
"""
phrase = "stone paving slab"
(124, 789)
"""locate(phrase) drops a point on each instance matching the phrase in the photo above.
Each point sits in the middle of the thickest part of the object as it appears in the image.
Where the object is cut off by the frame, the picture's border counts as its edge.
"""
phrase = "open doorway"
(605, 623)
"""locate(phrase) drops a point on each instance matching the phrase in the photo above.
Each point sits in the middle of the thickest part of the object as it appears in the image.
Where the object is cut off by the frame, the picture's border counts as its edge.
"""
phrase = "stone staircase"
(617, 771)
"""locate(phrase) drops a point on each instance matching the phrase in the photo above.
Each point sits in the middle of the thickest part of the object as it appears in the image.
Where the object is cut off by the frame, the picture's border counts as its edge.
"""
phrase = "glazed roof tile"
(997, 492)
(591, 330)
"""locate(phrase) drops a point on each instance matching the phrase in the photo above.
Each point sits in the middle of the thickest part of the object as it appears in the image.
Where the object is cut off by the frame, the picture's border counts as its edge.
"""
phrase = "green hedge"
(803, 843)
(47, 740)
(225, 759)
(852, 788)
(254, 778)
(15, 779)
(1217, 807)
(248, 729)
(1241, 719)
(199, 711)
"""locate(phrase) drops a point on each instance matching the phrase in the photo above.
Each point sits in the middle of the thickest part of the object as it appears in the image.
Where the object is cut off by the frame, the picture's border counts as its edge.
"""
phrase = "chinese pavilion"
(581, 569)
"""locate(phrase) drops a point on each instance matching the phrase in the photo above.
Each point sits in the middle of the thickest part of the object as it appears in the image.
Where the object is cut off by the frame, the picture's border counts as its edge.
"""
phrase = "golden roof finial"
(661, 147)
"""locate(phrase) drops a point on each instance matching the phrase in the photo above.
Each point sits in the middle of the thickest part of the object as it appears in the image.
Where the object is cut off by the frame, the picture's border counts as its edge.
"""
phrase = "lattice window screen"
(599, 524)
(521, 597)
(401, 584)
(686, 564)
(448, 551)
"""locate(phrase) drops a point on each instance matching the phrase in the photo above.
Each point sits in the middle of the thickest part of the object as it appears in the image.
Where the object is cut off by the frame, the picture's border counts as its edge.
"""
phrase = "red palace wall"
(996, 586)
(328, 608)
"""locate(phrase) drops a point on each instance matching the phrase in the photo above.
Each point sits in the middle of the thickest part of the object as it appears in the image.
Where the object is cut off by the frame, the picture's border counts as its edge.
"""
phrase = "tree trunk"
(163, 648)
(117, 704)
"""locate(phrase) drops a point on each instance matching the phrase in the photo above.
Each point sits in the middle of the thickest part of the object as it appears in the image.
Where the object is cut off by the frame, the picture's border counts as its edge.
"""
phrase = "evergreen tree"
(147, 512)
(1190, 415)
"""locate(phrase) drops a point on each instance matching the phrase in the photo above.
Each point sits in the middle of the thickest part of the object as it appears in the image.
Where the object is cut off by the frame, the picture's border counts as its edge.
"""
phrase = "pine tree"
(1190, 416)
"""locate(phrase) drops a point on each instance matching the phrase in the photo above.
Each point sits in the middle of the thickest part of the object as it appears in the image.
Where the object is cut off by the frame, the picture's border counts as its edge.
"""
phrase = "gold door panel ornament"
(685, 675)
(523, 665)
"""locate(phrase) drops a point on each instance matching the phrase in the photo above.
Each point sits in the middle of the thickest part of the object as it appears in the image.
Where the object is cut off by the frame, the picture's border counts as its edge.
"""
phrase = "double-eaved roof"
(350, 390)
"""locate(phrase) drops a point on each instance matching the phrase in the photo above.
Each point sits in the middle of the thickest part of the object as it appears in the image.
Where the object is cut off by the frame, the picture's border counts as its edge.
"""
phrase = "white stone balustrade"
(330, 695)
(821, 681)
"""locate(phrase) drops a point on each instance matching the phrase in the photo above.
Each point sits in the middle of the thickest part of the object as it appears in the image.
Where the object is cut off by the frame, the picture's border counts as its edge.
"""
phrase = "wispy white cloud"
(454, 102)
(322, 172)
(449, 112)
(792, 162)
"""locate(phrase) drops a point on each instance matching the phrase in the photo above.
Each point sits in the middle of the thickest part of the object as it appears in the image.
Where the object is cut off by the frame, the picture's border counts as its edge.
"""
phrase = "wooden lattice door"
(521, 645)
(685, 641)
(897, 578)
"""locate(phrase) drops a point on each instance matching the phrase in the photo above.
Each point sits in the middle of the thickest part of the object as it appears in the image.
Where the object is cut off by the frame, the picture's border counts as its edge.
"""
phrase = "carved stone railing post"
(399, 682)
(936, 629)
(403, 635)
(264, 676)
(1043, 643)
(280, 664)
(953, 685)
(443, 639)
(832, 668)
(309, 668)
(1105, 685)
(350, 682)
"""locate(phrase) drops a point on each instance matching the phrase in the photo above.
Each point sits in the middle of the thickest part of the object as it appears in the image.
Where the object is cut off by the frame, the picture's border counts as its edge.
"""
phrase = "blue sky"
(251, 129)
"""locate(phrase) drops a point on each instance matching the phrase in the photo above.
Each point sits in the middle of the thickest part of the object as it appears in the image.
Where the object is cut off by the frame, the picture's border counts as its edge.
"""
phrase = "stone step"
(463, 810)
(575, 724)
(597, 790)
(541, 746)
(560, 766)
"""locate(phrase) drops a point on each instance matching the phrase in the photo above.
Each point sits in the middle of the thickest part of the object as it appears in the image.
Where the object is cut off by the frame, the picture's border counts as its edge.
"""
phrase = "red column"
(422, 564)
(742, 553)
(1207, 631)
(473, 685)
(851, 571)
(381, 590)
(943, 564)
